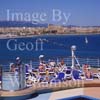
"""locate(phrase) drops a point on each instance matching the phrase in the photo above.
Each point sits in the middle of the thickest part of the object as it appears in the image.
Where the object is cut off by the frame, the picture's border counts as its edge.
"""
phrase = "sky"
(64, 12)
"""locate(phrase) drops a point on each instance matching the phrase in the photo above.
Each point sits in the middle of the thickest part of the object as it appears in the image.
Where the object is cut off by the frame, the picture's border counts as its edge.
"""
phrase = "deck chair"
(0, 81)
(76, 74)
(82, 76)
(96, 75)
(61, 76)
(68, 74)
(54, 80)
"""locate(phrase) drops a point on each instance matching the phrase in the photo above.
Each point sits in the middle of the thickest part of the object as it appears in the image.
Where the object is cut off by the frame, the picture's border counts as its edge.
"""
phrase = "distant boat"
(86, 40)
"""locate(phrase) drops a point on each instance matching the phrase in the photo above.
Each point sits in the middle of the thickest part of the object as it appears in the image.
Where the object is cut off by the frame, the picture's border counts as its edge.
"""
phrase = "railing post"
(87, 61)
(57, 61)
(98, 62)
(31, 64)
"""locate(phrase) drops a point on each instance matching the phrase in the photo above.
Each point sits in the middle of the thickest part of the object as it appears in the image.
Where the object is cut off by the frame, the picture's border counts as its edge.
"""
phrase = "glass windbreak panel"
(13, 79)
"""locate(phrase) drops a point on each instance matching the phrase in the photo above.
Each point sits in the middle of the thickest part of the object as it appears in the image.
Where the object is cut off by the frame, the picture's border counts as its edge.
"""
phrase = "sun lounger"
(76, 74)
(68, 74)
(61, 76)
(96, 75)
(53, 81)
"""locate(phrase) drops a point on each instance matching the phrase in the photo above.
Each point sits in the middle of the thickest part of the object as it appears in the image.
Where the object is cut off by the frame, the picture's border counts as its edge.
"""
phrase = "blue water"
(53, 46)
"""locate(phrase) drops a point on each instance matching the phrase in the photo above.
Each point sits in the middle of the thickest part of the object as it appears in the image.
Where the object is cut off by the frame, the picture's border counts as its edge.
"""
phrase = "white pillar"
(73, 61)
(73, 48)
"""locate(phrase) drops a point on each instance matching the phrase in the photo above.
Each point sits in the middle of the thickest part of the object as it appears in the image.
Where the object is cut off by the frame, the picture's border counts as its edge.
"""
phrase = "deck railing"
(93, 62)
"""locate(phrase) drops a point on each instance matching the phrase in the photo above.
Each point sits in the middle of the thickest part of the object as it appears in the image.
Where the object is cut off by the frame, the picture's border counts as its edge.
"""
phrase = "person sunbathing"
(88, 74)
(12, 67)
(41, 68)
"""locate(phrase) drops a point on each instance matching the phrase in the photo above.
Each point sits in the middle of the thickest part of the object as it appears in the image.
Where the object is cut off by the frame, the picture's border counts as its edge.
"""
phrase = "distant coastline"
(17, 29)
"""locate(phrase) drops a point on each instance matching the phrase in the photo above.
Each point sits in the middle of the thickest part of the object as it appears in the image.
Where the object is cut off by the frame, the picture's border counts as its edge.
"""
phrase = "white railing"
(93, 62)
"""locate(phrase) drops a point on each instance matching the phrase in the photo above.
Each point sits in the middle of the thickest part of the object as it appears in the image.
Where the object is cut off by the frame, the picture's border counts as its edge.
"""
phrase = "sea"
(51, 46)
